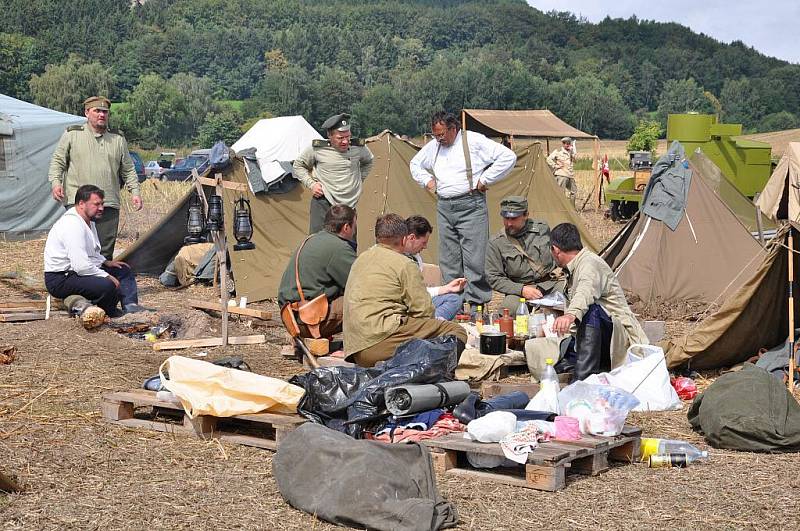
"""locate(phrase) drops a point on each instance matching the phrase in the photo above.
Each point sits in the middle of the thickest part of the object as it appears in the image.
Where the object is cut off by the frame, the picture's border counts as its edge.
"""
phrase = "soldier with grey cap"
(90, 154)
(518, 259)
(561, 161)
(333, 169)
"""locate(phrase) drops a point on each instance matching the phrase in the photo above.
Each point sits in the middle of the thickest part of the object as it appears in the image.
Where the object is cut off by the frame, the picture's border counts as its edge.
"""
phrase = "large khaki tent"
(781, 196)
(281, 221)
(754, 316)
(28, 136)
(707, 257)
(539, 123)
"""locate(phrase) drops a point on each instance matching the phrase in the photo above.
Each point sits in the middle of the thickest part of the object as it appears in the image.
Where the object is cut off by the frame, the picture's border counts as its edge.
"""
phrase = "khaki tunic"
(341, 174)
(85, 157)
(383, 286)
(507, 268)
(561, 162)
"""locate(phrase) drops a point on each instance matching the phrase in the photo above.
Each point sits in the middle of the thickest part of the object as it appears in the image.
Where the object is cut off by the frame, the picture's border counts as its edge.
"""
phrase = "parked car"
(139, 165)
(153, 169)
(182, 170)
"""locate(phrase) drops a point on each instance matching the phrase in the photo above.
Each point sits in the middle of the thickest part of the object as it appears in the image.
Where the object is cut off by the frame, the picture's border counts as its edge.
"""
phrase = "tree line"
(172, 63)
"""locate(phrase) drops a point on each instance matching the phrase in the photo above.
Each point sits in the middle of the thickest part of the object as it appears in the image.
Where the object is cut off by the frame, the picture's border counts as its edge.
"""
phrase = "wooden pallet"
(263, 430)
(547, 466)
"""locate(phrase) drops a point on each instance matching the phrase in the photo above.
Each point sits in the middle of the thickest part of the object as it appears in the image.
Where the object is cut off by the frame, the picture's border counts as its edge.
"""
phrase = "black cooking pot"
(493, 343)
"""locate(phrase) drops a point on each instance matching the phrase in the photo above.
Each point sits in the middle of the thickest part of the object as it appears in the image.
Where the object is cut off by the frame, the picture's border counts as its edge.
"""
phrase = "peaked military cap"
(567, 139)
(513, 206)
(98, 102)
(340, 122)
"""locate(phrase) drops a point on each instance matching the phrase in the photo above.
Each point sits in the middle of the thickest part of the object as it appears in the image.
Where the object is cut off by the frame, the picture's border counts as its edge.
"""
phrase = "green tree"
(591, 106)
(198, 95)
(223, 125)
(63, 87)
(155, 113)
(645, 137)
(682, 96)
(778, 121)
(333, 91)
(741, 103)
(19, 59)
(382, 107)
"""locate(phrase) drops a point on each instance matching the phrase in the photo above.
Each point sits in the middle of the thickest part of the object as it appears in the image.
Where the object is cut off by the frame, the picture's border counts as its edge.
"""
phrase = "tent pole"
(791, 312)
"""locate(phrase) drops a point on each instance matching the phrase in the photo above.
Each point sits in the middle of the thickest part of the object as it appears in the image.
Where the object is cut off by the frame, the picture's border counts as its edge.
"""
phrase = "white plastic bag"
(492, 427)
(645, 375)
(546, 399)
(600, 409)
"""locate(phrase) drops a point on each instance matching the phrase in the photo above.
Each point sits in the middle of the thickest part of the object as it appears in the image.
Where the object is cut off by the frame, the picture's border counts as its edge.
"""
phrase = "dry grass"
(79, 472)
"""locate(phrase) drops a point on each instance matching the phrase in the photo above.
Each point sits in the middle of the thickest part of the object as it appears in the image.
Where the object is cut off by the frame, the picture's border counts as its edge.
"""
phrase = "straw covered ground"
(80, 472)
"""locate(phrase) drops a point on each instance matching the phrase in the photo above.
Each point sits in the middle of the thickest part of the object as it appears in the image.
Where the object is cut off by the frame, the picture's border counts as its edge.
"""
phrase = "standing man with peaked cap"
(561, 161)
(90, 154)
(458, 167)
(333, 169)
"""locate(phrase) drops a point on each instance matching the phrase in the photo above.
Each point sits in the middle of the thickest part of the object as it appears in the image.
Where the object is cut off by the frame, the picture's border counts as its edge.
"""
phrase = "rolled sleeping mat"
(406, 400)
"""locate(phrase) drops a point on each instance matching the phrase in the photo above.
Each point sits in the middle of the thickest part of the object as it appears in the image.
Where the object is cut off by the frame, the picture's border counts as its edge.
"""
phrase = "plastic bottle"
(521, 319)
(486, 317)
(479, 318)
(668, 460)
(506, 324)
(549, 374)
(650, 446)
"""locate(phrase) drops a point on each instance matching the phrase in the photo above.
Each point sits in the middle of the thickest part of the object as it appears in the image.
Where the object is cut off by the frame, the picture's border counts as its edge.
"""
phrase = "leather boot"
(589, 352)
(465, 411)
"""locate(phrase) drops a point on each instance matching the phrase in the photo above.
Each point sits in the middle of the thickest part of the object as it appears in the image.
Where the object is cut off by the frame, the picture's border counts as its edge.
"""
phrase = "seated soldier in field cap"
(518, 259)
(333, 169)
(561, 161)
(385, 301)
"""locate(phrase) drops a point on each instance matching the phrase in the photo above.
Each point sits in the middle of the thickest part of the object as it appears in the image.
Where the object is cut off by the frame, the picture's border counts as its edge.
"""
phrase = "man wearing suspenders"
(458, 166)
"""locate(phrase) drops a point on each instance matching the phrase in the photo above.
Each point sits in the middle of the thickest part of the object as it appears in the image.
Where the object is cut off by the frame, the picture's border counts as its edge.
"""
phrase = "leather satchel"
(309, 312)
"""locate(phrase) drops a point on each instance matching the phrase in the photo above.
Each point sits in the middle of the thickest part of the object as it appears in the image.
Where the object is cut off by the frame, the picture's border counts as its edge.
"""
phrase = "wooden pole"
(219, 241)
(791, 312)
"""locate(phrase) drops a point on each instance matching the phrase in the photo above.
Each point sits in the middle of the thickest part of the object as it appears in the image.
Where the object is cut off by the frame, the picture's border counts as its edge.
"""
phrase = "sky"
(769, 28)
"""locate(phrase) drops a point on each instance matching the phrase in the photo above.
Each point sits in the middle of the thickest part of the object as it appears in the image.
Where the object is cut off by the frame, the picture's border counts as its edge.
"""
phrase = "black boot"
(589, 353)
(465, 411)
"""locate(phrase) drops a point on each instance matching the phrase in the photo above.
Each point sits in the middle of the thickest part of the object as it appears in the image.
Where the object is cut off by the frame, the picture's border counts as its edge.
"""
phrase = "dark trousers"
(106, 227)
(99, 290)
(592, 348)
(318, 208)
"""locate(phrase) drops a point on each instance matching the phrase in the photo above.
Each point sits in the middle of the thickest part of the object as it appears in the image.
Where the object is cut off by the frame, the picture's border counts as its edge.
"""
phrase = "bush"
(645, 137)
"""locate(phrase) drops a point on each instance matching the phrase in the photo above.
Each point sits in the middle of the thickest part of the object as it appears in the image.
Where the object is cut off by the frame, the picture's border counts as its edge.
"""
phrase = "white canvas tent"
(28, 136)
(781, 196)
(277, 141)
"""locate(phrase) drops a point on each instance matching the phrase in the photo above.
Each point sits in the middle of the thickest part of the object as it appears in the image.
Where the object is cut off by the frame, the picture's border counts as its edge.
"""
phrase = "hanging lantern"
(243, 225)
(215, 213)
(195, 221)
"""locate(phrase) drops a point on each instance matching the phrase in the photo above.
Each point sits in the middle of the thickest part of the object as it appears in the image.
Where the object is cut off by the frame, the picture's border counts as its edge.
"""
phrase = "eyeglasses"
(443, 134)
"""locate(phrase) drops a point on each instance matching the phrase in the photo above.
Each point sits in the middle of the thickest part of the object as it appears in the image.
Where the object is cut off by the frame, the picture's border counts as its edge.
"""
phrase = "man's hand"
(562, 324)
(454, 286)
(531, 292)
(431, 186)
(113, 281)
(58, 193)
(137, 202)
(481, 187)
(115, 263)
(317, 189)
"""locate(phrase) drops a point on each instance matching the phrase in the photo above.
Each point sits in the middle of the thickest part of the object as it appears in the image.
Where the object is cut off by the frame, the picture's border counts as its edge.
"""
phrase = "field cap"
(97, 102)
(340, 122)
(513, 206)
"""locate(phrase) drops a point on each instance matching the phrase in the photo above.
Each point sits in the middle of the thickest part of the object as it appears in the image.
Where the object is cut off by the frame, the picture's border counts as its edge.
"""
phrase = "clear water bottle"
(650, 446)
(549, 374)
(521, 319)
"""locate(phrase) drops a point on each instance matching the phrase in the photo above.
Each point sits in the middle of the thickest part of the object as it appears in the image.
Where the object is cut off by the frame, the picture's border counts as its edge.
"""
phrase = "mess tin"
(493, 343)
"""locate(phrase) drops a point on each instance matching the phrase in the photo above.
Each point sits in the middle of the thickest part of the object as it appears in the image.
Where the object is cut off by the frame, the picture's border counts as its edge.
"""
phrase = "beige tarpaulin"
(780, 199)
(707, 257)
(539, 123)
(753, 317)
(281, 221)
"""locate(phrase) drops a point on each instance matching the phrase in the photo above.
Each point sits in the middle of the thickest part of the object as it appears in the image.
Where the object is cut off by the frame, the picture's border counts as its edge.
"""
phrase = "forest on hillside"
(192, 70)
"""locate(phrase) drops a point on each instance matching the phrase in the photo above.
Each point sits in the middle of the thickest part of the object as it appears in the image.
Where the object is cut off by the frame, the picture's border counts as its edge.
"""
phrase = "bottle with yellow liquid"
(479, 318)
(651, 447)
(521, 319)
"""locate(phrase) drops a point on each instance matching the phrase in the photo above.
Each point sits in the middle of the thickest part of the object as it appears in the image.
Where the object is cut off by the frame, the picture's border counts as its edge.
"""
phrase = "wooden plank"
(544, 453)
(272, 418)
(627, 453)
(591, 465)
(153, 425)
(488, 477)
(249, 312)
(17, 317)
(177, 344)
(112, 410)
(247, 440)
(228, 185)
(545, 477)
(24, 303)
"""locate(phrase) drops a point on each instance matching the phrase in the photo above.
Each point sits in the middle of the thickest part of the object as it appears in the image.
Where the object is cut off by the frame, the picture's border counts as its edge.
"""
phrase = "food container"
(493, 343)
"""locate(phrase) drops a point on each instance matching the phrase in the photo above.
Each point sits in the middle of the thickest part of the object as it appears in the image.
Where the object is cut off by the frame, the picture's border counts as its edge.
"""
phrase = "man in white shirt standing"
(73, 264)
(458, 170)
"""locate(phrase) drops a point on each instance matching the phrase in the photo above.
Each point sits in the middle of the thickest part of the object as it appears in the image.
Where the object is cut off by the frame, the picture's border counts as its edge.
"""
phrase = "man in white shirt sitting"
(446, 299)
(73, 264)
(459, 169)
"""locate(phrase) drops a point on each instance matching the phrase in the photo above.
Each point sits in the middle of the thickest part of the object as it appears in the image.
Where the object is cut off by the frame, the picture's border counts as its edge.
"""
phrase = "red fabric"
(446, 424)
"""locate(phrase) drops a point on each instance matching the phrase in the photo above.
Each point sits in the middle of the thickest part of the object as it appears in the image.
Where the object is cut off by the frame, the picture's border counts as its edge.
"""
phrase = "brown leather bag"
(311, 313)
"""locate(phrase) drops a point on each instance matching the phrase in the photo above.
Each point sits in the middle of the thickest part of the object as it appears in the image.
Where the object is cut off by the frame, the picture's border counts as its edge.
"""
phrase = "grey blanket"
(360, 483)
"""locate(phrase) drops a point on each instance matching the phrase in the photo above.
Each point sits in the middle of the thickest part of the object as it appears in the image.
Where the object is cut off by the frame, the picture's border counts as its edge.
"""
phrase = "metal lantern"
(195, 221)
(215, 213)
(242, 225)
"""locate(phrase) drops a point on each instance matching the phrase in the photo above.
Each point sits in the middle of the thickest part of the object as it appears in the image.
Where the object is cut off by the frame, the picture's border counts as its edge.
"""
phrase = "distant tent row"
(28, 136)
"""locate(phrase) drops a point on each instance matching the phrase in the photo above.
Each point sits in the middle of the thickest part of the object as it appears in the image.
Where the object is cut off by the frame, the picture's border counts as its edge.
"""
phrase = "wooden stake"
(791, 312)
(219, 241)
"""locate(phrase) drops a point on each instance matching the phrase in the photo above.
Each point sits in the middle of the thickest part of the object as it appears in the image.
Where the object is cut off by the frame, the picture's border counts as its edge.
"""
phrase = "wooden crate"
(263, 430)
(547, 466)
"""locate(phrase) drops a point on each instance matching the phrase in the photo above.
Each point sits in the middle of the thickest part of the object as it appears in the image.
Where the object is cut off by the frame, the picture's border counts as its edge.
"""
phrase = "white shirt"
(491, 161)
(72, 245)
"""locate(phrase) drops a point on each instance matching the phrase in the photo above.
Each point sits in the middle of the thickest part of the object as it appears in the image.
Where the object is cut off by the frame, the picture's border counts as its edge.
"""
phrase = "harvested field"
(79, 472)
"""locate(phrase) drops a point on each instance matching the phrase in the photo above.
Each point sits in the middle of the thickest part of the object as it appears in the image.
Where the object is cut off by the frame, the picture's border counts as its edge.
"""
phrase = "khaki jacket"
(85, 157)
(508, 270)
(341, 174)
(561, 162)
(383, 287)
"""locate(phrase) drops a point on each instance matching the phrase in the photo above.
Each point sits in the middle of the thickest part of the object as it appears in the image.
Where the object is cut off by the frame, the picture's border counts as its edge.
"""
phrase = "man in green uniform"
(518, 260)
(385, 301)
(561, 161)
(90, 154)
(325, 261)
(333, 169)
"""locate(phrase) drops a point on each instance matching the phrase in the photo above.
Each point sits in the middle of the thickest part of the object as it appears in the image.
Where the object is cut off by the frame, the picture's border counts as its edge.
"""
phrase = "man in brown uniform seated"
(385, 301)
(324, 265)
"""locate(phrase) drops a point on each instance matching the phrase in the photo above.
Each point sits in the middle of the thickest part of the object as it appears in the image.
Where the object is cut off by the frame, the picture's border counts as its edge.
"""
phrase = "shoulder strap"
(467, 158)
(297, 269)
(518, 246)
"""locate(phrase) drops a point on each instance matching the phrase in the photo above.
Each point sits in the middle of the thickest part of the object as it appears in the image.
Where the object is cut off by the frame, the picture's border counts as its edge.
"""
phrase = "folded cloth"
(445, 425)
(516, 446)
(421, 421)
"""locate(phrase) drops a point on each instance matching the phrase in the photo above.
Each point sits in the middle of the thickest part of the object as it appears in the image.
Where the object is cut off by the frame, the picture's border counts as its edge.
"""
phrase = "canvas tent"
(281, 220)
(754, 316)
(28, 136)
(707, 257)
(539, 123)
(780, 198)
